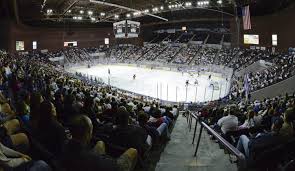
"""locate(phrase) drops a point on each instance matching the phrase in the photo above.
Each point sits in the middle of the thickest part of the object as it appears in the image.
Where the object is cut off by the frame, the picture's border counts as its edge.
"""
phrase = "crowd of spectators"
(283, 68)
(262, 130)
(51, 120)
(246, 57)
(74, 55)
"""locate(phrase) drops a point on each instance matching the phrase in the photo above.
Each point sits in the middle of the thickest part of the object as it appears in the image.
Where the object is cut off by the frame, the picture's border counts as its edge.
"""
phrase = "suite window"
(34, 45)
(20, 45)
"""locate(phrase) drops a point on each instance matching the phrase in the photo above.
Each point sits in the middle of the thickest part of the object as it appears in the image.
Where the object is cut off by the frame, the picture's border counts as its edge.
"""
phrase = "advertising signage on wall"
(251, 39)
(20, 45)
(70, 44)
(274, 40)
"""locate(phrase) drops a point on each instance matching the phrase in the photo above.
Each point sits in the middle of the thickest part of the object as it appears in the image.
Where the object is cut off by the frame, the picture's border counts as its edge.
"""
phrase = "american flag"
(246, 18)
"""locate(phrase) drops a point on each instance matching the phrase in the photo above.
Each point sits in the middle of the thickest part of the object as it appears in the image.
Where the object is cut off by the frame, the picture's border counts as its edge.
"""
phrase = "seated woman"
(249, 122)
(287, 129)
(50, 132)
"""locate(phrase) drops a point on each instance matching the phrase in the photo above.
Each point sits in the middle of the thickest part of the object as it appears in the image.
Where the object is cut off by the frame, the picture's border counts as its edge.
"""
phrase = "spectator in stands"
(69, 110)
(257, 118)
(80, 156)
(157, 119)
(13, 160)
(89, 109)
(168, 113)
(23, 111)
(59, 105)
(229, 122)
(127, 135)
(249, 122)
(110, 112)
(35, 103)
(5, 108)
(50, 132)
(154, 132)
(262, 140)
(287, 128)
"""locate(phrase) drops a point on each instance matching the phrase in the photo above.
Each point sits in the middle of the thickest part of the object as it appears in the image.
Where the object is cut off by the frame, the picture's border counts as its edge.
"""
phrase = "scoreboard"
(126, 29)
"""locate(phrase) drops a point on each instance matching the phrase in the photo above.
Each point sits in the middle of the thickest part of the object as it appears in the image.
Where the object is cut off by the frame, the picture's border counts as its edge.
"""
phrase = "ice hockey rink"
(162, 84)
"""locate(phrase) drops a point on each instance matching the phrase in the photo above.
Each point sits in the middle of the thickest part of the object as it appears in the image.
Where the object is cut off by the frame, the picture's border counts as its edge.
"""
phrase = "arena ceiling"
(149, 11)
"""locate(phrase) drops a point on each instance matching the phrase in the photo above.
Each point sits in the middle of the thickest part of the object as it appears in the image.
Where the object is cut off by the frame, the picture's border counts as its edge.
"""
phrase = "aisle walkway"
(178, 154)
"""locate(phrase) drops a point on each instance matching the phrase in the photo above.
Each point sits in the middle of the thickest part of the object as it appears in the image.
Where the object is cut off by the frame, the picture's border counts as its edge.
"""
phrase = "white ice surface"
(154, 83)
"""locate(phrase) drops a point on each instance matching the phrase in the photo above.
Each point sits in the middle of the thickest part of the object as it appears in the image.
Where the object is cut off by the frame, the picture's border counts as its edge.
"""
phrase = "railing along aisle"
(232, 150)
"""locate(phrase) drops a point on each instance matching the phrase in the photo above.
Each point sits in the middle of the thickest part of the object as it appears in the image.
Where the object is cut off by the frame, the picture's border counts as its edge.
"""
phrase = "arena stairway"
(178, 153)
(145, 52)
(175, 55)
(196, 55)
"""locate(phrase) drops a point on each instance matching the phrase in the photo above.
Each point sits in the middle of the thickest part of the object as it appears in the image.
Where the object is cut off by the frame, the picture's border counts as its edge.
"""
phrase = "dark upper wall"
(4, 31)
(147, 30)
(4, 34)
(51, 38)
(54, 38)
(281, 23)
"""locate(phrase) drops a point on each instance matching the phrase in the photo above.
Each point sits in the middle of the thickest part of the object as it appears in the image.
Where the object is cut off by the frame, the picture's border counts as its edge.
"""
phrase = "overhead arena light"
(147, 11)
(188, 4)
(128, 15)
(137, 13)
(155, 9)
(90, 12)
(174, 6)
(161, 8)
(79, 18)
(69, 11)
(102, 14)
(81, 12)
(203, 3)
(219, 1)
(116, 16)
(49, 11)
(75, 18)
(93, 19)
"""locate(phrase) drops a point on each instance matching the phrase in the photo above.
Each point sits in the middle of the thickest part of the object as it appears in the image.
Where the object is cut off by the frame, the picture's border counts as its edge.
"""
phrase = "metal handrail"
(226, 144)
(240, 156)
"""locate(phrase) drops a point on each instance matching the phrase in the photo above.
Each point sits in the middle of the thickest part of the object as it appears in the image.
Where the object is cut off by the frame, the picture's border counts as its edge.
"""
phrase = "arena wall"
(280, 23)
(54, 38)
